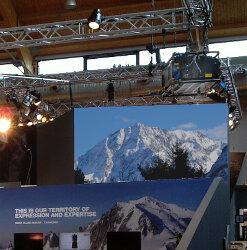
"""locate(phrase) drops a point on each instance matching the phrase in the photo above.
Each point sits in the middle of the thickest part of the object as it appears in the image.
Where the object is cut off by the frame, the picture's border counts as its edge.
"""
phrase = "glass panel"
(166, 54)
(61, 65)
(10, 69)
(111, 62)
(145, 57)
(230, 49)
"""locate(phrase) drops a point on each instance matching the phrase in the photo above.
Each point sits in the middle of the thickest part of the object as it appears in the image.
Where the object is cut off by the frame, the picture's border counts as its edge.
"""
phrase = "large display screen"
(150, 142)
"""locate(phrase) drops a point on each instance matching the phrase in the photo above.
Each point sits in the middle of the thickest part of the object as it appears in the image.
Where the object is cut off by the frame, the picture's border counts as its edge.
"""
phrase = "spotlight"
(5, 125)
(6, 117)
(95, 19)
(231, 123)
(29, 124)
(27, 100)
(39, 117)
(31, 97)
(211, 91)
(44, 119)
(36, 97)
(70, 4)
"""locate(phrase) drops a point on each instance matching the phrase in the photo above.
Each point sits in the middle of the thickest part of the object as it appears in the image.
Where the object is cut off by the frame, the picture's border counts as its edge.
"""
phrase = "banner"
(80, 216)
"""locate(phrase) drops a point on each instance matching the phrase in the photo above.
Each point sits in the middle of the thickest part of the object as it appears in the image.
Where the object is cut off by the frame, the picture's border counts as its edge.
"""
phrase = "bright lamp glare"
(44, 119)
(95, 19)
(93, 25)
(231, 123)
(39, 117)
(5, 125)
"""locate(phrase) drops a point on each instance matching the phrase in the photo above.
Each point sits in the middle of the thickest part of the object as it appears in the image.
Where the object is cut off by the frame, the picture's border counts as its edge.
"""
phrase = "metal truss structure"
(227, 72)
(200, 11)
(126, 25)
(135, 85)
(84, 77)
(155, 99)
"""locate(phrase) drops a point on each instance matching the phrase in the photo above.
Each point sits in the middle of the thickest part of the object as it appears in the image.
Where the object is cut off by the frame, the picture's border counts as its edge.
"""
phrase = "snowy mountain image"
(220, 167)
(158, 222)
(118, 156)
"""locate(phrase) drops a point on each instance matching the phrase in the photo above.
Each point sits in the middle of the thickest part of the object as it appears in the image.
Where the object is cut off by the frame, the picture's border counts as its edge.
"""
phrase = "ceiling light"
(70, 4)
(5, 125)
(29, 124)
(95, 19)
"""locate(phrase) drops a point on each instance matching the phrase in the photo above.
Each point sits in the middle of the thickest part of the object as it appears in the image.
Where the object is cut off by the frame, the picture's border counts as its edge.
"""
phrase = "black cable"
(71, 95)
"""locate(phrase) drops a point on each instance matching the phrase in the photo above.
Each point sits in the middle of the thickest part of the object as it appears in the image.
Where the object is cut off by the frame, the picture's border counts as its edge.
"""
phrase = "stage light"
(5, 125)
(6, 116)
(95, 19)
(211, 91)
(36, 97)
(70, 4)
(29, 124)
(231, 123)
(39, 117)
(31, 97)
(44, 119)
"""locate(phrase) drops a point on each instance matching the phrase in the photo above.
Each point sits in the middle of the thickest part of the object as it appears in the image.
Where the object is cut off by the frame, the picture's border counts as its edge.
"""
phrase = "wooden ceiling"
(229, 20)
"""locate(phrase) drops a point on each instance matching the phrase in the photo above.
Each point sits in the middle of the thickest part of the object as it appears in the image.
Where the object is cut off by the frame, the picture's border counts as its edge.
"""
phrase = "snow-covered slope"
(220, 167)
(119, 155)
(158, 222)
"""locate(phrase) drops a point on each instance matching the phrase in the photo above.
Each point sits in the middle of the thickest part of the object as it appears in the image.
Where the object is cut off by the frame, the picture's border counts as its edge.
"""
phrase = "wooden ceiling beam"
(82, 13)
(10, 18)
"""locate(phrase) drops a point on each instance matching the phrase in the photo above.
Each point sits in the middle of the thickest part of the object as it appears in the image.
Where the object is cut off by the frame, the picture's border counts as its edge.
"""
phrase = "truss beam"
(127, 25)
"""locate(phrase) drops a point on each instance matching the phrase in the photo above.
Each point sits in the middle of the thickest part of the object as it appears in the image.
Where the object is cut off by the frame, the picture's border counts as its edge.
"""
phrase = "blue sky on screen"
(94, 124)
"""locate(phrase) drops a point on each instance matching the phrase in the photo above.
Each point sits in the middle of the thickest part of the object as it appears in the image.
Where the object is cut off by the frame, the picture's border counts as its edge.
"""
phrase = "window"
(145, 57)
(10, 69)
(166, 54)
(61, 65)
(111, 62)
(230, 49)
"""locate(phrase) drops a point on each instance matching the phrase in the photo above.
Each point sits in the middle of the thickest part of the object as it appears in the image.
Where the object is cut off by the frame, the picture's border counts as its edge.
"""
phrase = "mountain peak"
(119, 155)
(138, 125)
